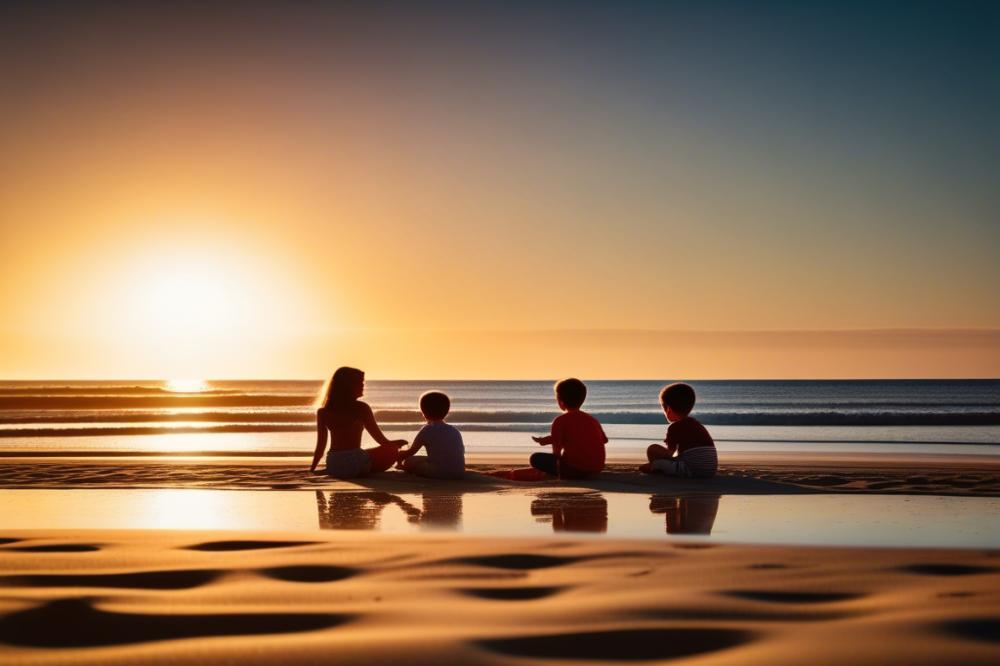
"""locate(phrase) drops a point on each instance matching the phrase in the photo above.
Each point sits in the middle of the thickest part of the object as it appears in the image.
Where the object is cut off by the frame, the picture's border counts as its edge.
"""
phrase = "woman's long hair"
(338, 393)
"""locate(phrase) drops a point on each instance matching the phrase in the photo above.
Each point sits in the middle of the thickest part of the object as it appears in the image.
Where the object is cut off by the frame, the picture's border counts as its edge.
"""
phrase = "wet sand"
(745, 474)
(362, 597)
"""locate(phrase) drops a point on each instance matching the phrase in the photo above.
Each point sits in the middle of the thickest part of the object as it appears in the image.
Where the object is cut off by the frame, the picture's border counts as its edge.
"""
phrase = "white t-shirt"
(444, 445)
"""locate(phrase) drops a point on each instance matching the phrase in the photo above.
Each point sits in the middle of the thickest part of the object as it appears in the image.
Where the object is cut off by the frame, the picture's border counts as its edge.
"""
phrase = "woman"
(345, 417)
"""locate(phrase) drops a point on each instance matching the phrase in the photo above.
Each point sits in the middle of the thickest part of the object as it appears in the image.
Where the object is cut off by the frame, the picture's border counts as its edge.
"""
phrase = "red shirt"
(579, 439)
(688, 433)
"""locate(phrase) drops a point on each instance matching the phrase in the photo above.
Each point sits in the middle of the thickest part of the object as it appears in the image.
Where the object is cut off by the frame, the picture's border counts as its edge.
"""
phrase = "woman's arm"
(320, 442)
(368, 418)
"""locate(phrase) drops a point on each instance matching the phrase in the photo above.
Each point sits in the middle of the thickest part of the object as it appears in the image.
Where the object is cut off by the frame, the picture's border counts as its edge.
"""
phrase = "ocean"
(272, 418)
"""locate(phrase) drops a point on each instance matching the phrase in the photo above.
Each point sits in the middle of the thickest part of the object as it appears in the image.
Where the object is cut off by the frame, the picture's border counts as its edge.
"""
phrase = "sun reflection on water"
(184, 509)
(186, 385)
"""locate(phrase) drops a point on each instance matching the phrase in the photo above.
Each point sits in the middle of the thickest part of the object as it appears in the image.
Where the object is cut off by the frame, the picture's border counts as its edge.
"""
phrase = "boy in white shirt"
(445, 457)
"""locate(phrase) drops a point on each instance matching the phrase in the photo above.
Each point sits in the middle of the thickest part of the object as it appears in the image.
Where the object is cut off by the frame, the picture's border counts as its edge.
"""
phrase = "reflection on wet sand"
(572, 512)
(441, 510)
(363, 510)
(687, 515)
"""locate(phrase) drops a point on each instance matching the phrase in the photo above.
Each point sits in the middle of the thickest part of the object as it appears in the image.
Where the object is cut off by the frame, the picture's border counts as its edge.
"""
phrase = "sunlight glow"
(191, 509)
(186, 385)
(189, 301)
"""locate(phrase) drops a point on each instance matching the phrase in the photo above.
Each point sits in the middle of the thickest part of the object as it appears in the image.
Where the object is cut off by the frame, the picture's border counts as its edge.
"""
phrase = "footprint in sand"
(518, 561)
(76, 623)
(511, 593)
(58, 548)
(457, 576)
(214, 546)
(946, 569)
(621, 645)
(141, 580)
(310, 573)
(735, 615)
(985, 629)
(780, 597)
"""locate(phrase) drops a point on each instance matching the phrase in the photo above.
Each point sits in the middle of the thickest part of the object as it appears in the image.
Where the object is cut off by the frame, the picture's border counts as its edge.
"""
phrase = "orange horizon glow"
(399, 199)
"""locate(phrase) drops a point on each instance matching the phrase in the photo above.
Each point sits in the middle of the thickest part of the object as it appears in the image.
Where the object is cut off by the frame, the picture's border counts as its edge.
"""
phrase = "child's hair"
(679, 397)
(435, 405)
(572, 392)
(338, 394)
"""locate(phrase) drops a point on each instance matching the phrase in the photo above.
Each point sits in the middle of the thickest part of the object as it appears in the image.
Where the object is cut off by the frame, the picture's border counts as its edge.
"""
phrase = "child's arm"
(557, 436)
(368, 418)
(411, 451)
(554, 436)
(320, 442)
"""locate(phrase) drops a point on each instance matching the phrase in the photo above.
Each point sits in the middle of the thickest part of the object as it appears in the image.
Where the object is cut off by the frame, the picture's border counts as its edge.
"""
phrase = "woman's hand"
(399, 442)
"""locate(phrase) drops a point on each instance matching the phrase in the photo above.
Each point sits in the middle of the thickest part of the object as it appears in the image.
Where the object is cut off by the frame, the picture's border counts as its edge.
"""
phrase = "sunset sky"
(704, 189)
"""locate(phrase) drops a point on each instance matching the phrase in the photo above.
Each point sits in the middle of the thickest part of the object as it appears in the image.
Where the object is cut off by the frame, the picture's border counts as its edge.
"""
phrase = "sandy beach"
(364, 597)
(164, 597)
(739, 474)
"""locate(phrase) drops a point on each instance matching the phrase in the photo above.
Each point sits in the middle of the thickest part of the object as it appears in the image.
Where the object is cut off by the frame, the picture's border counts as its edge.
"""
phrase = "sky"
(451, 190)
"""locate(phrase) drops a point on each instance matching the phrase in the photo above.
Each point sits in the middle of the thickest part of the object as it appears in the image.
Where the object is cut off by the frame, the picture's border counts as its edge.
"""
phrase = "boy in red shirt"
(686, 437)
(577, 438)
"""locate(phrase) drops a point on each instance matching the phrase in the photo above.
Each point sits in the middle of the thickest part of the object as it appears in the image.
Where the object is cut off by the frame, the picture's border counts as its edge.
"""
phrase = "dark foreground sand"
(360, 598)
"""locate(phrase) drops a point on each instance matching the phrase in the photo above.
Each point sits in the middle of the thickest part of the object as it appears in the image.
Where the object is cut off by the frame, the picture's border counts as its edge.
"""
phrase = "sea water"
(278, 418)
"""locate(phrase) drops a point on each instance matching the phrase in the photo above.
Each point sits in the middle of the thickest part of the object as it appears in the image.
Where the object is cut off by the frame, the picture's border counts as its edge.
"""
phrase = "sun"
(190, 298)
(190, 302)
(193, 305)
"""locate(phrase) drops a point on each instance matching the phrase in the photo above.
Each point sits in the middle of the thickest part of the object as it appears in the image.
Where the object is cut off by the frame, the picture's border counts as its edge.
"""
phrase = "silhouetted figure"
(445, 457)
(571, 512)
(576, 437)
(689, 451)
(344, 416)
(358, 510)
(687, 515)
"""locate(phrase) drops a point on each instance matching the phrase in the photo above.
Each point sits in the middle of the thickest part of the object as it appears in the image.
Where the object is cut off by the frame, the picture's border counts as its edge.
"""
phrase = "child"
(577, 438)
(696, 456)
(445, 457)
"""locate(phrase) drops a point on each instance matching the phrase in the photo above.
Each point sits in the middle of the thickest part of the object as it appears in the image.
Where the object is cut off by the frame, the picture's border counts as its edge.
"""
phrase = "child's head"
(570, 393)
(434, 405)
(677, 400)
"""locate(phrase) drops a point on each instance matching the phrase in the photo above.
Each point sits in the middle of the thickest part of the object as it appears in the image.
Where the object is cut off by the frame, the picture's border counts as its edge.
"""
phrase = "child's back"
(577, 438)
(690, 450)
(695, 447)
(580, 439)
(445, 448)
